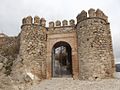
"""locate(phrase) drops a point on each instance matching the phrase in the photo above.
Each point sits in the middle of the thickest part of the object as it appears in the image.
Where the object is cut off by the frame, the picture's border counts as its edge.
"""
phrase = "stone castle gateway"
(81, 51)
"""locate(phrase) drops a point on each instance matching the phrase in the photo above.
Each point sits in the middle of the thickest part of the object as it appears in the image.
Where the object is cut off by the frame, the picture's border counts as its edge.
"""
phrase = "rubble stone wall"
(95, 52)
(33, 47)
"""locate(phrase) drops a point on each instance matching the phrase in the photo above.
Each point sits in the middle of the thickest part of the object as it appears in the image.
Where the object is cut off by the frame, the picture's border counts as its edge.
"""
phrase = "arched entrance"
(61, 60)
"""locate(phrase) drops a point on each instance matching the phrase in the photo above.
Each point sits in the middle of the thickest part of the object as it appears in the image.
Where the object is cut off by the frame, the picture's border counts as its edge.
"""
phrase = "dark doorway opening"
(61, 60)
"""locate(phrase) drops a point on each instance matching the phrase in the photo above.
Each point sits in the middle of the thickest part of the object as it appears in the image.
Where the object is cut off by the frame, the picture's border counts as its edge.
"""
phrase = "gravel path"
(70, 84)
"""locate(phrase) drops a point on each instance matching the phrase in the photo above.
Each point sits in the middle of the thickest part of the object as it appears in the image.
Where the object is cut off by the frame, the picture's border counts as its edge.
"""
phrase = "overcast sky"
(12, 12)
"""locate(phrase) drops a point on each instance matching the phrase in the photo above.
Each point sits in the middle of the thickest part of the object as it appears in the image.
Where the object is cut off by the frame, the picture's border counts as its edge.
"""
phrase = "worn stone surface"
(1, 65)
(33, 49)
(95, 53)
(82, 16)
(92, 12)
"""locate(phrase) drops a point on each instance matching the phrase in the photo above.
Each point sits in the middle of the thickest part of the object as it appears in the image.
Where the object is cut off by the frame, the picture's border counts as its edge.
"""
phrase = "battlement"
(92, 13)
(63, 23)
(36, 20)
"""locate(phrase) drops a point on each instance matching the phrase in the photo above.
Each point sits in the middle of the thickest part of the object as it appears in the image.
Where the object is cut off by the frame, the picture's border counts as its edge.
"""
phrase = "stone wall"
(70, 39)
(62, 32)
(33, 47)
(95, 53)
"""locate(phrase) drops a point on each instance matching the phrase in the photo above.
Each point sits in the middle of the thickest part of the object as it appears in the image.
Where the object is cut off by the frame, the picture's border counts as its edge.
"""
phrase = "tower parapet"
(82, 16)
(100, 14)
(37, 21)
(27, 20)
(92, 13)
(43, 22)
(23, 21)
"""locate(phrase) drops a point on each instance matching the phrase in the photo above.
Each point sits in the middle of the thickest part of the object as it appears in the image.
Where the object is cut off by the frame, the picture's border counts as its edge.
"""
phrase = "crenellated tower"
(33, 44)
(95, 52)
